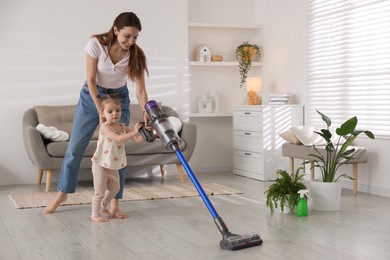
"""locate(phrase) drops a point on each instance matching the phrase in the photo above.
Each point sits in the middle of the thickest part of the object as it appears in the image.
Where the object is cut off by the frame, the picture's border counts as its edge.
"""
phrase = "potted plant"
(337, 153)
(245, 53)
(284, 191)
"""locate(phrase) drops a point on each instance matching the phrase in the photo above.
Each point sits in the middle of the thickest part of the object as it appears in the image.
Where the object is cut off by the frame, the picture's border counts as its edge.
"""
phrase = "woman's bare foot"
(60, 198)
(115, 211)
(98, 218)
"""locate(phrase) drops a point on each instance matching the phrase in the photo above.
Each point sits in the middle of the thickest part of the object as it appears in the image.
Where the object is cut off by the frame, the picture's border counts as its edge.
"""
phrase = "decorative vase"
(253, 98)
(249, 50)
(326, 195)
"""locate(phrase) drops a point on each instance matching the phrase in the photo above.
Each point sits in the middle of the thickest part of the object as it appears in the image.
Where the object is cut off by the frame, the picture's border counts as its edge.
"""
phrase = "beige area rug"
(41, 199)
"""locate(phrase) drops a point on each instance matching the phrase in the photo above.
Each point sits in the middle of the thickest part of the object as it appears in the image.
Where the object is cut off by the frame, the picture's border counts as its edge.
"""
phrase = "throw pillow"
(52, 133)
(290, 137)
(306, 135)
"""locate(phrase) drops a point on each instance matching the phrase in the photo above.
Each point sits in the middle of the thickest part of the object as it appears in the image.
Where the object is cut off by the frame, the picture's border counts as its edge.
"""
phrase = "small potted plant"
(245, 53)
(284, 191)
(337, 153)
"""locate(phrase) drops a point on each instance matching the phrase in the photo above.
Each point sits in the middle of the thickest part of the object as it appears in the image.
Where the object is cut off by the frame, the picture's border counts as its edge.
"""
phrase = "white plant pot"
(287, 209)
(326, 195)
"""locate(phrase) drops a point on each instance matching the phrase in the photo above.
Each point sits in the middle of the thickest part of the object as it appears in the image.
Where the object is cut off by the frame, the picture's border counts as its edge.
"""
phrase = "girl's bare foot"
(107, 212)
(98, 218)
(115, 211)
(60, 198)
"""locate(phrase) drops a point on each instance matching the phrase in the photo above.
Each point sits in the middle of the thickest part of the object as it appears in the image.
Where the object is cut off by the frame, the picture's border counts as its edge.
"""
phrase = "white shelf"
(225, 26)
(219, 114)
(220, 63)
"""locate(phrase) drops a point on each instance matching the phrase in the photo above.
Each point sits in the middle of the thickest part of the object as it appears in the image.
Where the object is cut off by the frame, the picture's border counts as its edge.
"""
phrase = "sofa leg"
(291, 166)
(40, 174)
(355, 178)
(162, 170)
(49, 175)
(311, 170)
(181, 172)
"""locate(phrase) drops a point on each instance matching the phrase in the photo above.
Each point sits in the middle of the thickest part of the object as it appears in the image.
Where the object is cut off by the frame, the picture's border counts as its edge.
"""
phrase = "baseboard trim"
(366, 188)
(210, 169)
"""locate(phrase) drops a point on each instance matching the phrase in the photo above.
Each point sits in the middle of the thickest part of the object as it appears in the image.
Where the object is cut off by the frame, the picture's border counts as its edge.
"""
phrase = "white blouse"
(108, 74)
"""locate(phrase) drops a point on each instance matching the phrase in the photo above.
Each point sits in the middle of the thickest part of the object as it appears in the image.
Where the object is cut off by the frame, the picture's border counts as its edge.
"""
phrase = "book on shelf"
(279, 98)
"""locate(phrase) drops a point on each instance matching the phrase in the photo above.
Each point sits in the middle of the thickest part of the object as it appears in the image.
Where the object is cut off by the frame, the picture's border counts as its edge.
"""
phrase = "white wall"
(285, 59)
(42, 61)
(285, 47)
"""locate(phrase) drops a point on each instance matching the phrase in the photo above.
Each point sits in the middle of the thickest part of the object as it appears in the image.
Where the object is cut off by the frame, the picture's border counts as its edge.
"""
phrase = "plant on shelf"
(245, 53)
(337, 147)
(284, 191)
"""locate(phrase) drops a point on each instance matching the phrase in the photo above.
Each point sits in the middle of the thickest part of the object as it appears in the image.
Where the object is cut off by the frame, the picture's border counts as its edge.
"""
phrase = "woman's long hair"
(137, 61)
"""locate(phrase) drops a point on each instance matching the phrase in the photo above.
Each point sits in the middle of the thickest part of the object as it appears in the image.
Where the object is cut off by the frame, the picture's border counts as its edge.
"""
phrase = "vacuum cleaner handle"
(147, 135)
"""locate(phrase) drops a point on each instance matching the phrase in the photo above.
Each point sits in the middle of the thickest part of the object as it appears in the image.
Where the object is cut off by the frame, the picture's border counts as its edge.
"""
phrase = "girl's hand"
(138, 126)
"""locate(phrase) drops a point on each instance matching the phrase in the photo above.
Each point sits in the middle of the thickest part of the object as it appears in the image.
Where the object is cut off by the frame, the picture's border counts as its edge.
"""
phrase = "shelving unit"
(222, 30)
(222, 77)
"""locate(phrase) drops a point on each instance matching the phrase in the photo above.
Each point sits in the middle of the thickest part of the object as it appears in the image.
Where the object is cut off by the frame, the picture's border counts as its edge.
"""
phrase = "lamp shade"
(253, 84)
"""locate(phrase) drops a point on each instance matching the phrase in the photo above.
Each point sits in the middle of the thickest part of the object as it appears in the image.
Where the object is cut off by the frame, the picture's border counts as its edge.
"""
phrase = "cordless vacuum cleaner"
(171, 141)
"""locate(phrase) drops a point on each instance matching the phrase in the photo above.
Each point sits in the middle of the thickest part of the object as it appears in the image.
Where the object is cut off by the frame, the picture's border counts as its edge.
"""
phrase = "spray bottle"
(302, 209)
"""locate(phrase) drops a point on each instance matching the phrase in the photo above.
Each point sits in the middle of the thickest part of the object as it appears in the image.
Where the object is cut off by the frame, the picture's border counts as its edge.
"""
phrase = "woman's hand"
(148, 122)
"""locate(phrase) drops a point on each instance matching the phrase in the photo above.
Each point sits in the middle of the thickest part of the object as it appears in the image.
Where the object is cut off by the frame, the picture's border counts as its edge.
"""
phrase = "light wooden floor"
(184, 229)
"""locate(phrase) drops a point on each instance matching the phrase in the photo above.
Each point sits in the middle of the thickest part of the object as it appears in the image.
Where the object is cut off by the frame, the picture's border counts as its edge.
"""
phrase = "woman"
(112, 58)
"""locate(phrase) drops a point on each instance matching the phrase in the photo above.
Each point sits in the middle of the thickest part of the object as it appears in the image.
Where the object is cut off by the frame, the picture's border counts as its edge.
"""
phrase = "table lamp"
(253, 87)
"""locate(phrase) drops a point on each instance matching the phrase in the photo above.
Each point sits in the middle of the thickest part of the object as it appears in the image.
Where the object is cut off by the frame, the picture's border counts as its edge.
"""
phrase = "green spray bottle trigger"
(302, 207)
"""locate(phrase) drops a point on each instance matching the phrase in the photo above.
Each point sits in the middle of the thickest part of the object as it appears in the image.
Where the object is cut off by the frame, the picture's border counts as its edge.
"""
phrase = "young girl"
(110, 156)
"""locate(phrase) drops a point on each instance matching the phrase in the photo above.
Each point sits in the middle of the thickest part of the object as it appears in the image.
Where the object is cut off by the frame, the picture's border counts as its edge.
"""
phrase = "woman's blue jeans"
(86, 120)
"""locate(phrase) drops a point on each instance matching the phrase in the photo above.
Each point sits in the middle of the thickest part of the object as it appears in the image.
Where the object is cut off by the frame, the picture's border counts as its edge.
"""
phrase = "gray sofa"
(48, 155)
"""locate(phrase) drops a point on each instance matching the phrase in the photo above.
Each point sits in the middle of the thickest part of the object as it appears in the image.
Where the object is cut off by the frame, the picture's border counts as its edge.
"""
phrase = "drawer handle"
(247, 113)
(249, 154)
(247, 133)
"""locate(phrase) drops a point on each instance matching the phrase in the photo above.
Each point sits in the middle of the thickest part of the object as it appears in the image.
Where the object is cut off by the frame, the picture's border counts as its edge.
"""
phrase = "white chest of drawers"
(256, 141)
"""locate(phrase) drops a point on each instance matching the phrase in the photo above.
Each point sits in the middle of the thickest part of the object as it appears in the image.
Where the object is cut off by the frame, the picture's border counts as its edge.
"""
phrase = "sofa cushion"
(61, 117)
(58, 149)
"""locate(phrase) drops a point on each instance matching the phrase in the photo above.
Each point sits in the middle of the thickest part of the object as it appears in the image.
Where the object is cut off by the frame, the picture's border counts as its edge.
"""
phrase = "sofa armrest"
(33, 141)
(188, 135)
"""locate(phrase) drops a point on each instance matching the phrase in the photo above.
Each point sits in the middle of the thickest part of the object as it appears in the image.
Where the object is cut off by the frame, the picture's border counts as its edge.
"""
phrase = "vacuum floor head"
(237, 242)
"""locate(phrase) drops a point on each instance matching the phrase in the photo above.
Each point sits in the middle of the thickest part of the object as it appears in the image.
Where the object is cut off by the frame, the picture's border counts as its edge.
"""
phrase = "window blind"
(349, 62)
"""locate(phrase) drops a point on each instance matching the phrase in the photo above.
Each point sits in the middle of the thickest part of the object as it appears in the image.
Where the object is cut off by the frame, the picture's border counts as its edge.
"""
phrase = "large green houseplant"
(245, 53)
(284, 191)
(337, 152)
